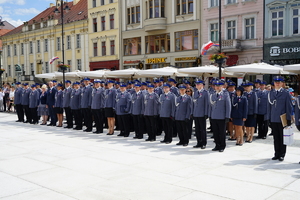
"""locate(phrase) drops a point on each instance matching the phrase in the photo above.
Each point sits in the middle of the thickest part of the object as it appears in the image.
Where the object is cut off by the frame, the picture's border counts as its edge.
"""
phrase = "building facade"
(3, 30)
(28, 48)
(104, 34)
(241, 29)
(159, 33)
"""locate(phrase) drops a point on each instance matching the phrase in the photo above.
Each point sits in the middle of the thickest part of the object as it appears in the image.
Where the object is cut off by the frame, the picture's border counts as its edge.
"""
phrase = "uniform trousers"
(262, 126)
(167, 124)
(182, 131)
(52, 114)
(20, 112)
(87, 115)
(279, 147)
(200, 129)
(138, 125)
(27, 113)
(159, 126)
(219, 129)
(174, 129)
(78, 118)
(104, 118)
(98, 117)
(34, 115)
(189, 127)
(124, 124)
(151, 126)
(69, 116)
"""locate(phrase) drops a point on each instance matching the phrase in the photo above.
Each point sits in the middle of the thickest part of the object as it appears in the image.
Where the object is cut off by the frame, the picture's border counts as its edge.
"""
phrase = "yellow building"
(103, 34)
(28, 48)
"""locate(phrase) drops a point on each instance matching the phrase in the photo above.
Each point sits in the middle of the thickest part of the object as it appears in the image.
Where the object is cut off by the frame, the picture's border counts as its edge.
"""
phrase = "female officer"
(239, 114)
(58, 106)
(75, 105)
(109, 105)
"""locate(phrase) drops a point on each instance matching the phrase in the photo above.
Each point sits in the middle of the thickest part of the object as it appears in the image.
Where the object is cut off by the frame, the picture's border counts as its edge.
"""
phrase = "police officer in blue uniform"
(167, 112)
(173, 88)
(158, 91)
(122, 107)
(137, 111)
(86, 102)
(220, 109)
(66, 104)
(200, 113)
(75, 105)
(231, 89)
(262, 113)
(50, 103)
(183, 113)
(151, 112)
(109, 106)
(97, 106)
(18, 102)
(239, 114)
(279, 103)
(25, 102)
(257, 84)
(58, 106)
(34, 98)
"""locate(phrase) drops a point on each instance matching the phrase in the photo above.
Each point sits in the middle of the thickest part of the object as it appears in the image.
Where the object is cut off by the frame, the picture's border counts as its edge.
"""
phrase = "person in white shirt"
(11, 99)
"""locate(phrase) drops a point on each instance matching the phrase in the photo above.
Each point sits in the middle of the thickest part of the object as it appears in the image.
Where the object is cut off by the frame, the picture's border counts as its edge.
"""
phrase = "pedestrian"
(97, 106)
(25, 102)
(11, 106)
(109, 105)
(137, 111)
(42, 108)
(18, 101)
(231, 89)
(75, 105)
(279, 103)
(66, 103)
(50, 103)
(86, 101)
(58, 106)
(262, 113)
(34, 101)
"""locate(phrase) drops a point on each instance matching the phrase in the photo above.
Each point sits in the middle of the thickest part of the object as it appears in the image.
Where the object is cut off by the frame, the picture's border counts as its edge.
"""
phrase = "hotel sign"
(185, 58)
(155, 60)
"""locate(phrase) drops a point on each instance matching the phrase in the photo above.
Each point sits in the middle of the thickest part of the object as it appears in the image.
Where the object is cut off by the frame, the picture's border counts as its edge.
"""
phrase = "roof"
(7, 25)
(77, 12)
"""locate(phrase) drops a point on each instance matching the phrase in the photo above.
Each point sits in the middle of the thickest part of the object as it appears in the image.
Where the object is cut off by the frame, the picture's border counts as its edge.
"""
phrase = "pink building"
(242, 29)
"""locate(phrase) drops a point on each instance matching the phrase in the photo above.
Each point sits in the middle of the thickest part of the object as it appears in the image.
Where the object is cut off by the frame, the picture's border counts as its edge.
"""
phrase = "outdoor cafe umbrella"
(93, 74)
(47, 75)
(255, 68)
(292, 68)
(125, 73)
(158, 72)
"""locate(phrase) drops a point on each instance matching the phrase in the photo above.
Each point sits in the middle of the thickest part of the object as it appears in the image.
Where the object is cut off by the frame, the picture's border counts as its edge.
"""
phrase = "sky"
(18, 11)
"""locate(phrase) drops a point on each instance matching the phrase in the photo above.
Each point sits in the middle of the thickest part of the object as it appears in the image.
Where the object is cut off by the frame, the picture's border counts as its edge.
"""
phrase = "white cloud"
(6, 17)
(26, 11)
(18, 2)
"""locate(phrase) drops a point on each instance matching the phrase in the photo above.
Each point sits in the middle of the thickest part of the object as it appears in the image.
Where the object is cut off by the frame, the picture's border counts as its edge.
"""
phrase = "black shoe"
(50, 125)
(231, 139)
(168, 142)
(212, 137)
(78, 128)
(120, 134)
(147, 140)
(197, 146)
(248, 141)
(87, 130)
(275, 158)
(258, 137)
(110, 133)
(179, 143)
(68, 127)
(26, 122)
(203, 147)
(163, 141)
(96, 132)
(271, 134)
(184, 145)
(152, 140)
(135, 137)
(221, 150)
(140, 138)
(280, 158)
(126, 135)
(18, 121)
(215, 149)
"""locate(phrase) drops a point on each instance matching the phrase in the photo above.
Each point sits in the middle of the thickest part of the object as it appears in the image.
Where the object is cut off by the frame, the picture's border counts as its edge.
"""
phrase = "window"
(128, 16)
(47, 67)
(15, 49)
(214, 32)
(46, 45)
(156, 8)
(78, 41)
(103, 44)
(214, 3)
(78, 64)
(69, 63)
(9, 70)
(58, 43)
(132, 46)
(277, 23)
(112, 47)
(95, 24)
(133, 15)
(231, 30)
(296, 18)
(186, 40)
(95, 45)
(103, 23)
(158, 43)
(111, 1)
(22, 48)
(23, 68)
(112, 21)
(8, 50)
(68, 42)
(249, 28)
(102, 2)
(185, 7)
(94, 3)
(31, 67)
(30, 47)
(138, 14)
(38, 46)
(231, 1)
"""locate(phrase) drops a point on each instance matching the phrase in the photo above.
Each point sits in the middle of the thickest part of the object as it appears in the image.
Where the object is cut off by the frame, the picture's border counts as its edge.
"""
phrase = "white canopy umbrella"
(200, 71)
(125, 73)
(165, 71)
(68, 74)
(94, 74)
(48, 75)
(255, 68)
(292, 68)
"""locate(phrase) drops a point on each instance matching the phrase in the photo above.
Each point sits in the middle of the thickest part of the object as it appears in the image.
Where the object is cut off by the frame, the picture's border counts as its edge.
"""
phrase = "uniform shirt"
(239, 107)
(167, 105)
(75, 99)
(220, 105)
(123, 103)
(279, 103)
(151, 103)
(67, 97)
(174, 90)
(86, 96)
(59, 99)
(297, 110)
(200, 103)
(34, 98)
(43, 98)
(18, 95)
(110, 98)
(25, 96)
(183, 105)
(98, 98)
(51, 96)
(137, 103)
(158, 91)
(252, 102)
(262, 97)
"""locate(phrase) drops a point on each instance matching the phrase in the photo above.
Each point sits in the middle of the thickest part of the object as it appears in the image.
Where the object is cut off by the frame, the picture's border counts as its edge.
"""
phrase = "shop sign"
(185, 58)
(131, 61)
(155, 60)
(276, 51)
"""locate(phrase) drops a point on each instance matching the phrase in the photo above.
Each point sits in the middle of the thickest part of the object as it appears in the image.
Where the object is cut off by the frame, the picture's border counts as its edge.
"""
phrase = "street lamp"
(56, 11)
(220, 39)
(1, 72)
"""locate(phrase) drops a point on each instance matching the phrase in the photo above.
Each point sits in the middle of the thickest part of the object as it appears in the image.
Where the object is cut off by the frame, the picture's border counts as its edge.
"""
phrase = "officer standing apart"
(279, 103)
(97, 106)
(220, 109)
(183, 113)
(167, 112)
(18, 101)
(200, 113)
(66, 104)
(86, 102)
(137, 111)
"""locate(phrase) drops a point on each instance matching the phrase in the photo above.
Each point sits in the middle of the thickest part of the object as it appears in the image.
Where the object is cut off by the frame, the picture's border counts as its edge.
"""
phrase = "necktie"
(276, 92)
(217, 95)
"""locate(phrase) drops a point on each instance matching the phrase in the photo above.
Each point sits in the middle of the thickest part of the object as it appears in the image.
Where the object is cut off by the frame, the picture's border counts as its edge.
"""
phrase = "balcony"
(231, 45)
(155, 24)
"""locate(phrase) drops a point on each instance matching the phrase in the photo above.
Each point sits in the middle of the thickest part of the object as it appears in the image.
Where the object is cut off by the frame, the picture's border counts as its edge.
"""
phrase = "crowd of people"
(158, 107)
(7, 94)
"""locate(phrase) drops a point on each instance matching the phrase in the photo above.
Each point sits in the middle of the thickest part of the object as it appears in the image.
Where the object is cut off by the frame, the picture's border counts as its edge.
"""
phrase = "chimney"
(75, 2)
(51, 5)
